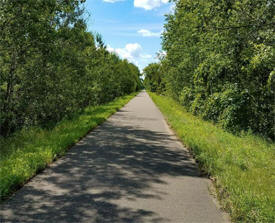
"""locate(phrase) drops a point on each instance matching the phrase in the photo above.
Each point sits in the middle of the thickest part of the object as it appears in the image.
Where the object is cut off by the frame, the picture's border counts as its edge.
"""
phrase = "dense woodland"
(219, 62)
(50, 65)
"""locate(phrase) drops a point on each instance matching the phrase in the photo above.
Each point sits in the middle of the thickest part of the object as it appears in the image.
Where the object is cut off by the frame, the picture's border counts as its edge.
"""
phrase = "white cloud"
(148, 33)
(132, 52)
(110, 49)
(149, 4)
(172, 8)
(146, 56)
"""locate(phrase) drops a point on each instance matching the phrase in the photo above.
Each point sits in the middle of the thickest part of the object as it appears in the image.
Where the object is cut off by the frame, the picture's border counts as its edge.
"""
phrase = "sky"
(130, 28)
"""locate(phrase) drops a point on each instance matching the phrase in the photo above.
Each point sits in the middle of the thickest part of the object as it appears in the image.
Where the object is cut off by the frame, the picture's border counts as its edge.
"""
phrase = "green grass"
(243, 167)
(31, 150)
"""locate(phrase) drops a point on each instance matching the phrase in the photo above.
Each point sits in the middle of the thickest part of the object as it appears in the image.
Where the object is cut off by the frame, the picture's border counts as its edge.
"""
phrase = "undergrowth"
(30, 150)
(243, 166)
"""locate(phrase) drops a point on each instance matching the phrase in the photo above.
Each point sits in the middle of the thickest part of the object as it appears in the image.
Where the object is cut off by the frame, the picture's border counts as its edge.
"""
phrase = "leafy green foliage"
(51, 67)
(30, 150)
(153, 80)
(220, 60)
(243, 166)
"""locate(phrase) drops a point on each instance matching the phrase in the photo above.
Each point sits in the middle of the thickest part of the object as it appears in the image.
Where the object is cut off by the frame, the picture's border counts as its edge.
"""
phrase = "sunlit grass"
(31, 150)
(243, 166)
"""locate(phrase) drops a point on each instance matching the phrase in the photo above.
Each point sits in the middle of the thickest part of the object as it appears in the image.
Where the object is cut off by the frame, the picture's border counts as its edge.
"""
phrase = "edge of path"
(210, 182)
(9, 188)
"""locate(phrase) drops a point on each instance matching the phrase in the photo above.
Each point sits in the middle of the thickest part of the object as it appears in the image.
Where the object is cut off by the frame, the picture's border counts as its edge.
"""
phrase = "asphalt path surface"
(130, 169)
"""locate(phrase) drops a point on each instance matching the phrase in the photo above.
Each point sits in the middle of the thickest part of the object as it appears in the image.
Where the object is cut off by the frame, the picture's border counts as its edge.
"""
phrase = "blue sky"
(130, 28)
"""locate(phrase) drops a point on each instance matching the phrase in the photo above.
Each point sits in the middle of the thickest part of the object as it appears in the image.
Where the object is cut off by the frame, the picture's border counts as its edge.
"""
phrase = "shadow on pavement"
(111, 163)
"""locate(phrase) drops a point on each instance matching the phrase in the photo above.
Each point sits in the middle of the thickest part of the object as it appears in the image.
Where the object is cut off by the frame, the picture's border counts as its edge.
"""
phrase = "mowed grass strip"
(31, 150)
(243, 167)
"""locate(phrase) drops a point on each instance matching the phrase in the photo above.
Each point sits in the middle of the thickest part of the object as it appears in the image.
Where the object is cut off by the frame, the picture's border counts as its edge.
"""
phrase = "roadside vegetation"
(52, 67)
(242, 167)
(57, 81)
(30, 150)
(216, 79)
(218, 61)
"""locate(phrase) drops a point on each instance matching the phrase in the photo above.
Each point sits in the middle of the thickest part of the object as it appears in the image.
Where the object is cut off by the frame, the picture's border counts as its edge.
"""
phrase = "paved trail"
(130, 169)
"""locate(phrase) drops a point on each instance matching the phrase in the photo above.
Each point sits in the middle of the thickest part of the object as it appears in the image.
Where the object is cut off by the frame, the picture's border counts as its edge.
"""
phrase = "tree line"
(51, 66)
(219, 62)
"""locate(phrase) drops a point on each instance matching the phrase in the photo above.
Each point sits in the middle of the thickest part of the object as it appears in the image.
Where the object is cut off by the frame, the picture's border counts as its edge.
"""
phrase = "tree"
(219, 58)
(51, 67)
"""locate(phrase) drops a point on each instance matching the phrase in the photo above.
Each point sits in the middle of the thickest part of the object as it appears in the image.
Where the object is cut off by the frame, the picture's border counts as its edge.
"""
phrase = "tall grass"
(243, 167)
(31, 150)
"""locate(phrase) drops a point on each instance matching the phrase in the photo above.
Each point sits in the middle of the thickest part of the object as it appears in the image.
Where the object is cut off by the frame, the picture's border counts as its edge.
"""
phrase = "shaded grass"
(29, 151)
(243, 167)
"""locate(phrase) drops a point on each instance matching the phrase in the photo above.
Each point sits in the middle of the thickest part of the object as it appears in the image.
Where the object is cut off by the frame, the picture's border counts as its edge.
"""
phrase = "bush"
(242, 166)
(186, 97)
